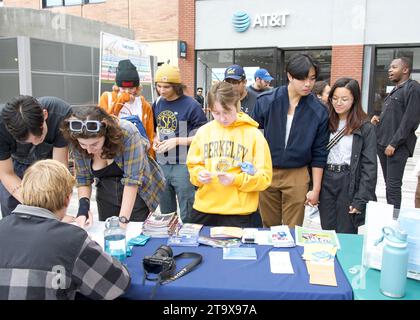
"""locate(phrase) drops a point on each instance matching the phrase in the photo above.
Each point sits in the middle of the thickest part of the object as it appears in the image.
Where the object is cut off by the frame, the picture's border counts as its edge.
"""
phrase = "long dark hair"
(111, 130)
(356, 116)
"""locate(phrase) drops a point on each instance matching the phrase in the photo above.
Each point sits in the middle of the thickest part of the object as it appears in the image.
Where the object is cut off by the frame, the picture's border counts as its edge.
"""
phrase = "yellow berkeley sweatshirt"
(217, 148)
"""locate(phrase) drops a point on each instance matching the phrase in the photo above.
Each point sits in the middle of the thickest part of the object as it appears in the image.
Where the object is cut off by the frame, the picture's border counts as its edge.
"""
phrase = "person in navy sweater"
(296, 127)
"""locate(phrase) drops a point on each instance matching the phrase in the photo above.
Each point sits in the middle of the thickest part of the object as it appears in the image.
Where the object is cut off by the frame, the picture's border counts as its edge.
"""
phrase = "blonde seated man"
(44, 258)
(126, 100)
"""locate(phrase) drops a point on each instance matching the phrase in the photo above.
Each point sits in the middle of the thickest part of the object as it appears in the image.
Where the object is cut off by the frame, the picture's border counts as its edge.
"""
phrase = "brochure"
(239, 253)
(183, 241)
(307, 235)
(226, 232)
(219, 243)
(190, 229)
(281, 237)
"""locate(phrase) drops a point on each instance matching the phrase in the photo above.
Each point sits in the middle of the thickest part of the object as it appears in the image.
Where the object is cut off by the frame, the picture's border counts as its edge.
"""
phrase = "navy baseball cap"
(263, 74)
(235, 72)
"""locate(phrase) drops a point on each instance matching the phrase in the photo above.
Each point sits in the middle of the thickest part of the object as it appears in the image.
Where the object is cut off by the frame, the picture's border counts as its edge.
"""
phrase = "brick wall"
(187, 33)
(31, 4)
(151, 20)
(347, 61)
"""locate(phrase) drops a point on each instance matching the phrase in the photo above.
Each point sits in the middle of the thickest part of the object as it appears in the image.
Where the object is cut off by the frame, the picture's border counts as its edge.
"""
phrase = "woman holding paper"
(349, 179)
(230, 163)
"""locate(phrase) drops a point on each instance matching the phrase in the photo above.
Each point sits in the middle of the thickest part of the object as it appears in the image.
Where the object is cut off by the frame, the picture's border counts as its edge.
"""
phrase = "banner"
(115, 48)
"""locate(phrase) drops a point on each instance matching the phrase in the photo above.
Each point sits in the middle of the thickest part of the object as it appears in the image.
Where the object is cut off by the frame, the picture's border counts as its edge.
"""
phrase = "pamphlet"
(280, 262)
(183, 240)
(219, 243)
(239, 253)
(190, 229)
(226, 232)
(307, 235)
(281, 237)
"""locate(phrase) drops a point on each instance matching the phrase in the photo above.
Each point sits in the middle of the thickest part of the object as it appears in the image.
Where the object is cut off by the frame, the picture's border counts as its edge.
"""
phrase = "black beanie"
(127, 75)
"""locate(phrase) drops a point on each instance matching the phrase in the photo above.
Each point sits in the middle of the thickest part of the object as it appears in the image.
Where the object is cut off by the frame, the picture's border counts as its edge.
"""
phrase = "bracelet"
(84, 206)
(15, 189)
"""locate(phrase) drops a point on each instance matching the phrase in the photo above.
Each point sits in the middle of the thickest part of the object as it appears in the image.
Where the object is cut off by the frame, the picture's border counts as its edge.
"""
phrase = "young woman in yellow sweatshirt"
(227, 195)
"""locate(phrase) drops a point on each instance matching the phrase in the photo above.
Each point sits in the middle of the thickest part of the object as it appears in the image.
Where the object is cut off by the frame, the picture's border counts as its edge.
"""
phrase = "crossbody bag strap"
(189, 267)
(335, 139)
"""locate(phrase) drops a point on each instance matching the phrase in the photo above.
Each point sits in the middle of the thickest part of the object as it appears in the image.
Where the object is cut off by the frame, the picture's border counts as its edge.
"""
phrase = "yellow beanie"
(168, 73)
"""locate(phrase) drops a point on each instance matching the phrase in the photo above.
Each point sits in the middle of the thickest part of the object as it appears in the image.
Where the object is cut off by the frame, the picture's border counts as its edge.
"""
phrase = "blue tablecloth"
(218, 279)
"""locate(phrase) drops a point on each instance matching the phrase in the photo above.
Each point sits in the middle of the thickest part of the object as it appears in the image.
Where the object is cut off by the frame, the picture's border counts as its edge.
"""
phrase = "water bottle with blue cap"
(394, 262)
(114, 238)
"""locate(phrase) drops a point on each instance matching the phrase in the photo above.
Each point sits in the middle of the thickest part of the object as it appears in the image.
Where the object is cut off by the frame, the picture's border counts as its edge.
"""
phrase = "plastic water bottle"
(394, 263)
(114, 238)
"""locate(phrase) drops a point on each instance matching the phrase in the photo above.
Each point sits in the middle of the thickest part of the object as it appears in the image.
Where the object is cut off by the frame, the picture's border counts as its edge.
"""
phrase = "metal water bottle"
(394, 263)
(114, 238)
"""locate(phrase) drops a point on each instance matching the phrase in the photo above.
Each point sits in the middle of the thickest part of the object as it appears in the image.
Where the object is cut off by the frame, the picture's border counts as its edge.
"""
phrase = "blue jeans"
(178, 185)
(8, 202)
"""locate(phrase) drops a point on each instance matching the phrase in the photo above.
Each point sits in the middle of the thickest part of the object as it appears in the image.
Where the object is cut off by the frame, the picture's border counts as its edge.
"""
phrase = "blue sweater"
(309, 133)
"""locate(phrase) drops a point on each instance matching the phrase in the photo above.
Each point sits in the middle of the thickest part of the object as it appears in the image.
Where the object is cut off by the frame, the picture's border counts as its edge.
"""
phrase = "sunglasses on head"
(90, 125)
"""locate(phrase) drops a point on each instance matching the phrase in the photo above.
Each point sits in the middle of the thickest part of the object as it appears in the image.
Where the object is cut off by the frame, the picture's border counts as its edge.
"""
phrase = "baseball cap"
(235, 72)
(263, 74)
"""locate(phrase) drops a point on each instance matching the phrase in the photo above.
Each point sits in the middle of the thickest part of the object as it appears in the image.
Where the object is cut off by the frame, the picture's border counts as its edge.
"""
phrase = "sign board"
(115, 48)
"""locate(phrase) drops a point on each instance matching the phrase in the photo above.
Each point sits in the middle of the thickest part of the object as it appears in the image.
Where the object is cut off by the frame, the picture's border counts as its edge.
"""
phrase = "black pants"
(334, 203)
(393, 171)
(109, 192)
(226, 220)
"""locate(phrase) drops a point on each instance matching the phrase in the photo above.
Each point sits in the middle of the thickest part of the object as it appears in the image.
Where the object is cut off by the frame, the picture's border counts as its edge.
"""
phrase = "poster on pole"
(113, 49)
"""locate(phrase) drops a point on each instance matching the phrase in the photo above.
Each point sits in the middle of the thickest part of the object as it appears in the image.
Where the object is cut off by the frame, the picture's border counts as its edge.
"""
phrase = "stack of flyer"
(158, 225)
(281, 237)
(277, 236)
(187, 235)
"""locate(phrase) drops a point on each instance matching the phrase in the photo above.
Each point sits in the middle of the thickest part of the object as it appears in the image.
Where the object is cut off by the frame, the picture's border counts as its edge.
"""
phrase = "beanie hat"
(168, 73)
(127, 75)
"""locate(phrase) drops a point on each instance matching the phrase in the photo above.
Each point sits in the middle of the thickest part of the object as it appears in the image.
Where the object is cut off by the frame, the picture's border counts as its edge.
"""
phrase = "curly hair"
(111, 130)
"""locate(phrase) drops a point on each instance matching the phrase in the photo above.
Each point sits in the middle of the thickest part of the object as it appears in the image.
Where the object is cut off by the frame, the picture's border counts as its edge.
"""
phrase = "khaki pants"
(417, 200)
(284, 201)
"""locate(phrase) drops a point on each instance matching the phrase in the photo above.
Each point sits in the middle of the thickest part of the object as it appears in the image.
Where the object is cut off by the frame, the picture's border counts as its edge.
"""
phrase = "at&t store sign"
(242, 21)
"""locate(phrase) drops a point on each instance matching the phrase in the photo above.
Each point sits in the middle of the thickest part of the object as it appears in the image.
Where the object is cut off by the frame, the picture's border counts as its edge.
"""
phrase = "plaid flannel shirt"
(139, 169)
(95, 274)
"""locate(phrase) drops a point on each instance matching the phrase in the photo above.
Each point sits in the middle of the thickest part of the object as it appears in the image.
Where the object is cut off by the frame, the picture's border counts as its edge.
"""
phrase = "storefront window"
(252, 59)
(322, 57)
(211, 66)
(382, 85)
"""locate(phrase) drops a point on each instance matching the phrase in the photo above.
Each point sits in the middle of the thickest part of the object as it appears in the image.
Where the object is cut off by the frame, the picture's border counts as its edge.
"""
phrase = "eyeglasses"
(90, 125)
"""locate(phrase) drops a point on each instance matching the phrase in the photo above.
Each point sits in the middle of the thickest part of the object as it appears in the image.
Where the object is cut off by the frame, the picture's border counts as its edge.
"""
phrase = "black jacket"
(363, 167)
(400, 117)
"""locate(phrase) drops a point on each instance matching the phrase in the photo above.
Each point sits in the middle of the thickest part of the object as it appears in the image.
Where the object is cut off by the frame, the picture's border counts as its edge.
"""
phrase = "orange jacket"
(113, 103)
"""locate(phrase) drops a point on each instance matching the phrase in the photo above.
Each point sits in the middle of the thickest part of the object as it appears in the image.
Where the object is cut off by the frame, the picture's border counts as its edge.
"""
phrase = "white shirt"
(131, 108)
(288, 127)
(341, 152)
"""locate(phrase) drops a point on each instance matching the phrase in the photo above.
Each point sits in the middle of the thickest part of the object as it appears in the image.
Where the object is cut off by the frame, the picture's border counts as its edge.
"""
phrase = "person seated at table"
(114, 152)
(349, 179)
(44, 258)
(226, 195)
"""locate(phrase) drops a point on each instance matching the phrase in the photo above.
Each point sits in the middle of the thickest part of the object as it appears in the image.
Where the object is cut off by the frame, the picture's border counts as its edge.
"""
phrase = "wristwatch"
(124, 219)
